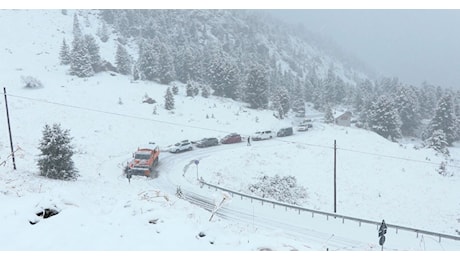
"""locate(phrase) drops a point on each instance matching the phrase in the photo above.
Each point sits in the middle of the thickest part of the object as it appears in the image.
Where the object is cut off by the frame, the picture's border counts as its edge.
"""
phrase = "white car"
(304, 127)
(263, 135)
(181, 146)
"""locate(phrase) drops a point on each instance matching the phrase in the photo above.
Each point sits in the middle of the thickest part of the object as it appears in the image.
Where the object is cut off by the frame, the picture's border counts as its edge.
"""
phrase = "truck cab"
(144, 160)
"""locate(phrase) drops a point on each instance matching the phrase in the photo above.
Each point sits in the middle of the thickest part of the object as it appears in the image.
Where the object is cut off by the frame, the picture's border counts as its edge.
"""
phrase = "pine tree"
(276, 105)
(175, 89)
(80, 64)
(189, 89)
(169, 100)
(103, 32)
(223, 75)
(445, 120)
(76, 27)
(148, 62)
(298, 107)
(122, 60)
(428, 100)
(383, 119)
(186, 68)
(64, 54)
(257, 87)
(93, 51)
(284, 100)
(195, 90)
(329, 88)
(135, 73)
(329, 116)
(166, 66)
(205, 92)
(55, 160)
(298, 103)
(406, 103)
(438, 142)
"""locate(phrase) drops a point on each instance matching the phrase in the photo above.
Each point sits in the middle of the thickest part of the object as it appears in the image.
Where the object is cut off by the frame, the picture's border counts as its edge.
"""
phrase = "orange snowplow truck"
(144, 160)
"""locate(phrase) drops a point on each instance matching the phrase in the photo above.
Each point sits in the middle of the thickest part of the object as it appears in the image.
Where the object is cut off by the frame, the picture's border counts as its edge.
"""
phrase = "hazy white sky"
(414, 45)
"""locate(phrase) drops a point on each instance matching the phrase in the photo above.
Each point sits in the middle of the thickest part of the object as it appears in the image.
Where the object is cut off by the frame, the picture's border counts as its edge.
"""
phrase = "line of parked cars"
(186, 145)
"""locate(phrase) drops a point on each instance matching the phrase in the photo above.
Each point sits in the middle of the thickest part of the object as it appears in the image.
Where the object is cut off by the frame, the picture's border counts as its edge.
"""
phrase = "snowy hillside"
(376, 179)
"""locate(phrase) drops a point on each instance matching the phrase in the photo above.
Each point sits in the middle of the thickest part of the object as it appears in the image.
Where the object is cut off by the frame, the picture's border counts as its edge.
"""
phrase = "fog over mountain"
(413, 45)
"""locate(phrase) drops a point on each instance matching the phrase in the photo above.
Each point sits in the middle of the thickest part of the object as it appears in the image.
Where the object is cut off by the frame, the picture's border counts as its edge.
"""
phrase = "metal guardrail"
(327, 214)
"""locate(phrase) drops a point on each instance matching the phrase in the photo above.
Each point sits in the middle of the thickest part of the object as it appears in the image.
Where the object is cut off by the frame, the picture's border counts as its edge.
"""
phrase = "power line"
(366, 153)
(394, 157)
(215, 130)
(114, 114)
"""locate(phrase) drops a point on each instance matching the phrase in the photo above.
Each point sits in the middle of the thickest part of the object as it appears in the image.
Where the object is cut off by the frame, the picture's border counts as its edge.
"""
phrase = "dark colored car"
(206, 142)
(285, 132)
(231, 138)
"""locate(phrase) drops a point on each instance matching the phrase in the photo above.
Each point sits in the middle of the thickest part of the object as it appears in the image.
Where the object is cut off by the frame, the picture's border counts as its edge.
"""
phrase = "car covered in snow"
(304, 127)
(181, 146)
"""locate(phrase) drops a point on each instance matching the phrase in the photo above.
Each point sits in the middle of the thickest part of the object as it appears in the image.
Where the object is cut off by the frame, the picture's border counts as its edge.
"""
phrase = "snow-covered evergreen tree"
(169, 100)
(189, 89)
(205, 92)
(166, 70)
(195, 89)
(298, 103)
(328, 115)
(438, 142)
(93, 51)
(406, 103)
(363, 97)
(185, 67)
(55, 160)
(278, 108)
(298, 107)
(383, 119)
(329, 88)
(136, 75)
(148, 62)
(257, 87)
(223, 75)
(281, 96)
(122, 60)
(103, 32)
(80, 64)
(445, 120)
(175, 89)
(76, 27)
(64, 54)
(427, 100)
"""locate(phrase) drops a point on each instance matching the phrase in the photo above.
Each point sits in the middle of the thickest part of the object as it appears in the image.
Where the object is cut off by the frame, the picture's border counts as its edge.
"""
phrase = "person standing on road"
(249, 141)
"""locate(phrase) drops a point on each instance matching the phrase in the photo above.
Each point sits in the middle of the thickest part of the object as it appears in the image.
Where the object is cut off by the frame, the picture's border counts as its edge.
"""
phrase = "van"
(262, 135)
(285, 132)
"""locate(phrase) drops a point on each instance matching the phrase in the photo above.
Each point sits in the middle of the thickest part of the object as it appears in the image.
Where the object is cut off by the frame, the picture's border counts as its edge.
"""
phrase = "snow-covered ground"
(376, 179)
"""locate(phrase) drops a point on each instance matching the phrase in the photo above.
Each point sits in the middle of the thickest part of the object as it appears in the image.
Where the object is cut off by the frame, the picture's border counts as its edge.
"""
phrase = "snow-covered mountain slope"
(376, 179)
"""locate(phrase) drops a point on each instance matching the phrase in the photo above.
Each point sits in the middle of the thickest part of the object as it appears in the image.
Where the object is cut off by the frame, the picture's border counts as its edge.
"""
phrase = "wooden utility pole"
(9, 129)
(335, 176)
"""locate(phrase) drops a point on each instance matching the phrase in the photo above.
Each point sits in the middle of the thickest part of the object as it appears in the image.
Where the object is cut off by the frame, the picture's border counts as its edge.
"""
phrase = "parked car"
(231, 138)
(304, 127)
(262, 135)
(184, 145)
(206, 142)
(285, 132)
